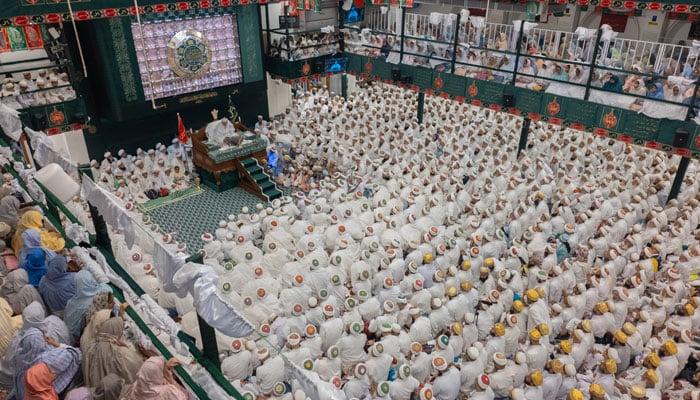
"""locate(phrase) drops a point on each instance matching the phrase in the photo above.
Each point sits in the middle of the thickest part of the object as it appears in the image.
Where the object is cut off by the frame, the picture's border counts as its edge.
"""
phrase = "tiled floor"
(201, 213)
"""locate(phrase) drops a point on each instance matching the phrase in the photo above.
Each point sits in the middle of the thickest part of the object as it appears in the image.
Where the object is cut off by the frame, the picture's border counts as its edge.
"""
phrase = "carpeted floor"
(192, 216)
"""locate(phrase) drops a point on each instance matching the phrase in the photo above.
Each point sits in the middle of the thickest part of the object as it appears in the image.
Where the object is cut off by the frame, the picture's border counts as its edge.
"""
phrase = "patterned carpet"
(192, 216)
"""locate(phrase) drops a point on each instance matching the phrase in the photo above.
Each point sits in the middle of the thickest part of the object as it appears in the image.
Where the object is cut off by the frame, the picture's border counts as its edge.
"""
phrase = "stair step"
(277, 194)
(266, 185)
(254, 169)
(248, 161)
(259, 177)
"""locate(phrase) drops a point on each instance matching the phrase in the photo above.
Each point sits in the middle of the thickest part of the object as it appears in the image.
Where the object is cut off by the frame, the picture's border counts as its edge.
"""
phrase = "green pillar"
(678, 180)
(523, 135)
(421, 103)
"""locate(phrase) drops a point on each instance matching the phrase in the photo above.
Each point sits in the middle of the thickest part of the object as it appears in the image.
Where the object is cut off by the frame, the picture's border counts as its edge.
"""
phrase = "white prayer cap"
(520, 358)
(473, 353)
(499, 359)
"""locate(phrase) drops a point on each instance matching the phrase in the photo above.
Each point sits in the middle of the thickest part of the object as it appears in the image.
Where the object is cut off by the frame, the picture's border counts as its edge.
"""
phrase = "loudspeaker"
(39, 122)
(396, 74)
(681, 138)
(508, 100)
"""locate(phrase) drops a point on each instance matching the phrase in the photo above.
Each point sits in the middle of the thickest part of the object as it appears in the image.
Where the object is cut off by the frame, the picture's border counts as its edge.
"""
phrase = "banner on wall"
(15, 38)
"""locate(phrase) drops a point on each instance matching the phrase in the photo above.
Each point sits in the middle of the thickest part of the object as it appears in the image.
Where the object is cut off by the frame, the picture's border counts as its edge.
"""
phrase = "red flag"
(181, 132)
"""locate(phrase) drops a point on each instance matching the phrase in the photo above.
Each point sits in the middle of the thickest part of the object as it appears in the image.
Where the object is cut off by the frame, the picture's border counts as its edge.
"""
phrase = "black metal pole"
(421, 102)
(454, 47)
(267, 25)
(678, 180)
(523, 135)
(101, 231)
(592, 65)
(403, 32)
(518, 48)
(209, 347)
(692, 100)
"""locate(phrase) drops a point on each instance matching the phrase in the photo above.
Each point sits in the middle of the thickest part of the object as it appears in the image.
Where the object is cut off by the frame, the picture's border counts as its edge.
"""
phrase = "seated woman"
(109, 353)
(85, 289)
(33, 221)
(101, 301)
(656, 91)
(18, 292)
(24, 352)
(35, 265)
(34, 316)
(9, 212)
(109, 388)
(638, 89)
(528, 78)
(559, 73)
(155, 381)
(613, 84)
(675, 95)
(53, 373)
(58, 285)
(8, 326)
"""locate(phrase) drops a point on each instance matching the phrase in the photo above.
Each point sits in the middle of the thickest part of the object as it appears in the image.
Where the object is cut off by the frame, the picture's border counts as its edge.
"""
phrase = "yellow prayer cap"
(466, 286)
(620, 337)
(608, 366)
(596, 390)
(565, 346)
(427, 258)
(457, 328)
(451, 291)
(488, 262)
(587, 325)
(543, 328)
(499, 329)
(629, 328)
(536, 378)
(654, 360)
(651, 374)
(466, 264)
(601, 307)
(638, 392)
(518, 306)
(575, 394)
(532, 295)
(535, 335)
(671, 348)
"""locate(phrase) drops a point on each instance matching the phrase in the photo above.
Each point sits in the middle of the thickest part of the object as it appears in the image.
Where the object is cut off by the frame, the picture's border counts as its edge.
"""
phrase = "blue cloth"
(85, 289)
(24, 353)
(58, 285)
(659, 94)
(614, 86)
(35, 265)
(32, 240)
(272, 159)
(65, 362)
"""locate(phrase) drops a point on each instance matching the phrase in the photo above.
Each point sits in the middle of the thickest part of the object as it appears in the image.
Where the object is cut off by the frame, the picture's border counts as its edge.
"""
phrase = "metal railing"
(497, 52)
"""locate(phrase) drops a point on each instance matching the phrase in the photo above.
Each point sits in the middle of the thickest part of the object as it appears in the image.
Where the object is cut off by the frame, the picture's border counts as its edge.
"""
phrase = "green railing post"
(678, 179)
(592, 68)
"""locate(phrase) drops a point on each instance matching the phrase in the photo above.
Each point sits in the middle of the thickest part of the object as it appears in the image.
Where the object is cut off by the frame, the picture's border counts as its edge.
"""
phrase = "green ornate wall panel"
(251, 48)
